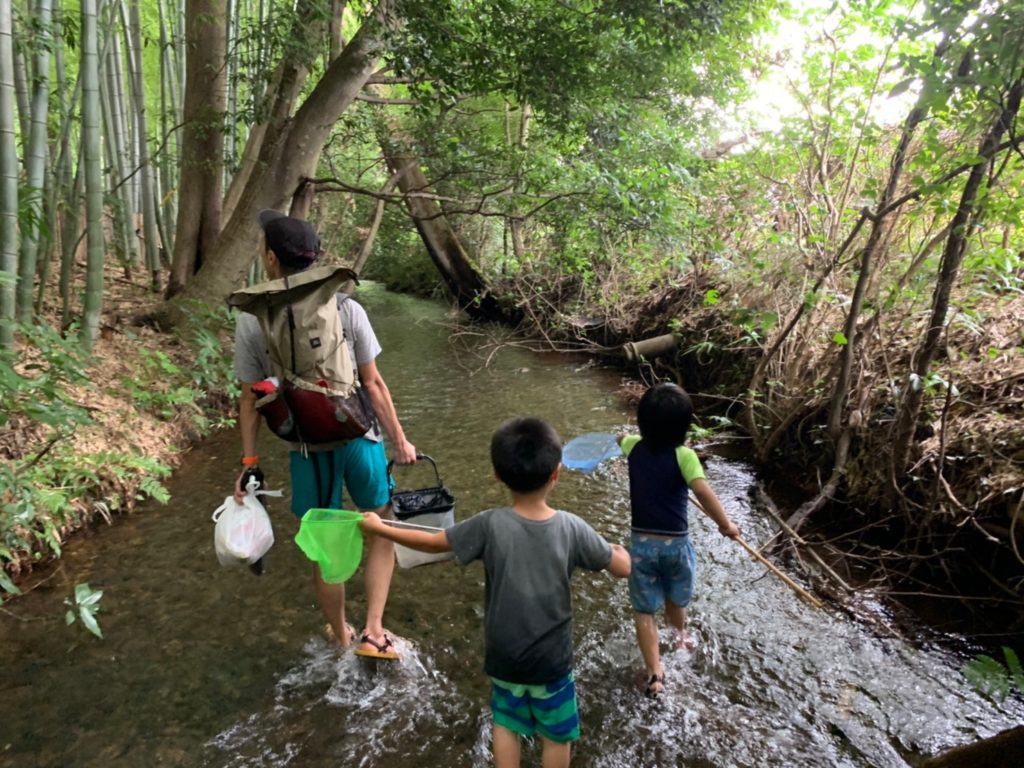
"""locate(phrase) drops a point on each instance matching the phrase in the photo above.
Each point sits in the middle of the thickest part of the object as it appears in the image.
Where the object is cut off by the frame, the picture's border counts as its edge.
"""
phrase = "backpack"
(314, 397)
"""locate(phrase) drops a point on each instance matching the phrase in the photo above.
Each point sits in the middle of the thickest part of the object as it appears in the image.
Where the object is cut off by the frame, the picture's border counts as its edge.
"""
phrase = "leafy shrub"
(993, 678)
(46, 493)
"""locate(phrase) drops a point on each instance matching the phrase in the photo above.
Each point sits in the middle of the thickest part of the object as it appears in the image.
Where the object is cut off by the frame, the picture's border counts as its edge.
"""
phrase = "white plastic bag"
(243, 534)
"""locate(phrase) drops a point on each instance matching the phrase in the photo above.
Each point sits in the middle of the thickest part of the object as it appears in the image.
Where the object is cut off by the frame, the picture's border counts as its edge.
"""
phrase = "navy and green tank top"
(659, 482)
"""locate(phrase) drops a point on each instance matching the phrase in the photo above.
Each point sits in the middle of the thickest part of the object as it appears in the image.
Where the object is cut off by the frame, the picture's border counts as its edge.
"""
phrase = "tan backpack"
(317, 398)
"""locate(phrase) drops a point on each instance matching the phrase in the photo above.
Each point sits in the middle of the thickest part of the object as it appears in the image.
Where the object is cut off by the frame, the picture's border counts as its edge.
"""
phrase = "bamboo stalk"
(89, 51)
(36, 159)
(771, 567)
(8, 176)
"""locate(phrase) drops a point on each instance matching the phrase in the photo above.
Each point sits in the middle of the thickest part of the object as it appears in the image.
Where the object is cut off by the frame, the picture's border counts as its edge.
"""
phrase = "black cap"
(294, 241)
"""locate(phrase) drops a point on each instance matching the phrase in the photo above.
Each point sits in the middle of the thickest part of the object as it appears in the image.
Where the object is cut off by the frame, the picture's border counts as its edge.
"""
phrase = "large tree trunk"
(288, 151)
(278, 102)
(447, 252)
(201, 182)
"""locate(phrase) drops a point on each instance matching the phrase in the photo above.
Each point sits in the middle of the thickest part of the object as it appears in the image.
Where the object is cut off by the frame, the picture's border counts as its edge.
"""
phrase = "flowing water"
(202, 666)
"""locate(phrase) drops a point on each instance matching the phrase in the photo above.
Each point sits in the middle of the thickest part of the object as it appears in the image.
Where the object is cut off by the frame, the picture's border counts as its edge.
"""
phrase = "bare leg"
(647, 638)
(331, 598)
(553, 754)
(380, 564)
(506, 748)
(676, 617)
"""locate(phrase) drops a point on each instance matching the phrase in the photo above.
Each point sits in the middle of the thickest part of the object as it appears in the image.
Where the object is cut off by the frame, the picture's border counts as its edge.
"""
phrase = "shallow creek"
(202, 666)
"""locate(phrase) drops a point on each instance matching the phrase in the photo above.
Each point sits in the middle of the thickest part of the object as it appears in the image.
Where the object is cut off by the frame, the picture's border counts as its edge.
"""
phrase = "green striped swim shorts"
(549, 709)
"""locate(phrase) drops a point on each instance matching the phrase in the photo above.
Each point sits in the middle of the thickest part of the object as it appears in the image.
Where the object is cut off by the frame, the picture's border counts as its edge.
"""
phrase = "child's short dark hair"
(525, 451)
(664, 415)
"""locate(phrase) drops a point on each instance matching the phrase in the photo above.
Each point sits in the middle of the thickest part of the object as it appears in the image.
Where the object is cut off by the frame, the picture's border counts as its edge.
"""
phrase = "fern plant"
(992, 677)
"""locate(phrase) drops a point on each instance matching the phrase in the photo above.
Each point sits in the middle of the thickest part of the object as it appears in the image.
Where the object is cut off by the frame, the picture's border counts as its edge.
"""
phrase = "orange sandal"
(385, 650)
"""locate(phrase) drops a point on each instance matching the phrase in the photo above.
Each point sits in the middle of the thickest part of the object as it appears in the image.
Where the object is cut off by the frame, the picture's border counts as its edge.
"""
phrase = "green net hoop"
(332, 539)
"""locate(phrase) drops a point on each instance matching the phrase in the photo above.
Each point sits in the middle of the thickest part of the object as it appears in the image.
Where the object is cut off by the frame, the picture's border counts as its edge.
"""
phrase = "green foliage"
(40, 388)
(155, 386)
(714, 425)
(209, 333)
(994, 678)
(45, 493)
(39, 499)
(162, 387)
(569, 60)
(400, 261)
(84, 607)
(7, 585)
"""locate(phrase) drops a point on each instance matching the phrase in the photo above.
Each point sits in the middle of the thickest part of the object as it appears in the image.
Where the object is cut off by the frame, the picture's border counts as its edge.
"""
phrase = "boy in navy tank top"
(662, 471)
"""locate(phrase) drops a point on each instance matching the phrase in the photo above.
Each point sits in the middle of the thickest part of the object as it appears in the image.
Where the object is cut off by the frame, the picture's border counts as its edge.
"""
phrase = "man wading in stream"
(317, 470)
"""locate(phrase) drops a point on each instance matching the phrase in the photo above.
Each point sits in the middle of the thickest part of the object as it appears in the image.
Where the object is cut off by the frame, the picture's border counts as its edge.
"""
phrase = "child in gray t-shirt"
(529, 551)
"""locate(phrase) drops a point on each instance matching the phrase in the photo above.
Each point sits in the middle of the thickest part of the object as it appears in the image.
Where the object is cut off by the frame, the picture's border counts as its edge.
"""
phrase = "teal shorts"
(549, 710)
(317, 478)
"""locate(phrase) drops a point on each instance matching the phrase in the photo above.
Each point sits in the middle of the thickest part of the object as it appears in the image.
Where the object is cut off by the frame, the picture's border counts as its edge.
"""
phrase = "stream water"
(202, 666)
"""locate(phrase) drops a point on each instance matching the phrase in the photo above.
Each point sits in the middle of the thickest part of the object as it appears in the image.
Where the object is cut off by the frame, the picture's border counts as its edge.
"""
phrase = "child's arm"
(422, 541)
(620, 563)
(712, 507)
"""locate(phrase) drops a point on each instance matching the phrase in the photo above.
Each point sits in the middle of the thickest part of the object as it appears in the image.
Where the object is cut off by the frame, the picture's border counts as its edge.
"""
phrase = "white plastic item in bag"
(243, 534)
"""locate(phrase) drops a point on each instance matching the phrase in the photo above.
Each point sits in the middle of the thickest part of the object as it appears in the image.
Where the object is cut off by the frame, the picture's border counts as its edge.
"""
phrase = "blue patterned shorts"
(662, 569)
(549, 709)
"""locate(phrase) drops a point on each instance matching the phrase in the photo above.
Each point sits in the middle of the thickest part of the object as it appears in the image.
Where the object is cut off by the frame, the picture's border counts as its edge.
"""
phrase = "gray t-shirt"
(527, 598)
(252, 360)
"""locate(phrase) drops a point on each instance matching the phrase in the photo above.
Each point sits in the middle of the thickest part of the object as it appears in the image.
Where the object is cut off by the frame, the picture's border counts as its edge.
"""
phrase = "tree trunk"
(70, 234)
(515, 222)
(288, 150)
(450, 257)
(282, 93)
(337, 42)
(838, 429)
(21, 83)
(202, 157)
(360, 253)
(60, 181)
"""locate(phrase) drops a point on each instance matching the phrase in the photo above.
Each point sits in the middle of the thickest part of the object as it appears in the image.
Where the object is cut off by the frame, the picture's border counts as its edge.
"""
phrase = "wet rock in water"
(1004, 750)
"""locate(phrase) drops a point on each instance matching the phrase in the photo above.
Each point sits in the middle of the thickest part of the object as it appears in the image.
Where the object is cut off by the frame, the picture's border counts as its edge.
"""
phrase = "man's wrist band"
(250, 461)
